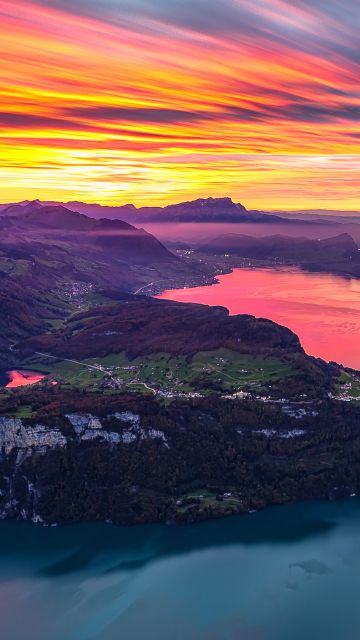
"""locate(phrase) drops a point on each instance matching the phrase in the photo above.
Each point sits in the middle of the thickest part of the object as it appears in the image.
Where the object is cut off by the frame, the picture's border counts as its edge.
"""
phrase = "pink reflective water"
(324, 310)
(21, 378)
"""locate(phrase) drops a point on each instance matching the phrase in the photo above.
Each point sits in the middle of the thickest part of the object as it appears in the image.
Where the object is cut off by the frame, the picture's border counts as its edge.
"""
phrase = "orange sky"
(135, 101)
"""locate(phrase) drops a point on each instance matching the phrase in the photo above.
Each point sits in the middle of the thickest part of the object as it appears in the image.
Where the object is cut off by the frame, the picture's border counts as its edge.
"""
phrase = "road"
(82, 364)
(145, 385)
(148, 285)
(92, 366)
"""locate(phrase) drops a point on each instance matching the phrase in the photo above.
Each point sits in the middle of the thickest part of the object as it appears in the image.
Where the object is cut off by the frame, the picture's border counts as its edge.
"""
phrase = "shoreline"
(195, 519)
(225, 268)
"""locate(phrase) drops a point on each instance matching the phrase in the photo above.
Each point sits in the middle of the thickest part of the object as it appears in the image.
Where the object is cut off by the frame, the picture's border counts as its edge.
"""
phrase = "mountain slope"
(131, 457)
(339, 253)
(142, 326)
(200, 210)
(45, 250)
(124, 241)
(185, 220)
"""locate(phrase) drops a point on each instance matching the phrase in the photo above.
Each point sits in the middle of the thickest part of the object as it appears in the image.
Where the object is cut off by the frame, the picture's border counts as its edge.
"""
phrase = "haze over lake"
(322, 309)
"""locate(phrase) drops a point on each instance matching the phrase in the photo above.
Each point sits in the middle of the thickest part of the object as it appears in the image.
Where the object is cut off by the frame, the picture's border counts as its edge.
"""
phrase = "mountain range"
(194, 220)
(46, 248)
(199, 210)
(146, 402)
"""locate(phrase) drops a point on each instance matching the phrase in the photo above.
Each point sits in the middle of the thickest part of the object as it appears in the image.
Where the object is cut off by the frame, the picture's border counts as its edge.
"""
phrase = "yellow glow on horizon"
(154, 115)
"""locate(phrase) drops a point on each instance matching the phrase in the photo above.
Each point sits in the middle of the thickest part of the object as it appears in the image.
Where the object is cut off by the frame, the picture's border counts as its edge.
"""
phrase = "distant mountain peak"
(95, 205)
(214, 203)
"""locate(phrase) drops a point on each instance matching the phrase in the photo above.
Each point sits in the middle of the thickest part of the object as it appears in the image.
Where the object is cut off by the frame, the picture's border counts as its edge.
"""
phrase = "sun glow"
(120, 109)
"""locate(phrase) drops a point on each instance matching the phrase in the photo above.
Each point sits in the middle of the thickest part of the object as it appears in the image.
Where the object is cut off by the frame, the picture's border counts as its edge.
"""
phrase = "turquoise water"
(287, 573)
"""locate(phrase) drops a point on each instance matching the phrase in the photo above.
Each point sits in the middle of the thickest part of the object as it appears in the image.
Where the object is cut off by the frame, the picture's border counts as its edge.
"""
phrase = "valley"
(179, 320)
(143, 409)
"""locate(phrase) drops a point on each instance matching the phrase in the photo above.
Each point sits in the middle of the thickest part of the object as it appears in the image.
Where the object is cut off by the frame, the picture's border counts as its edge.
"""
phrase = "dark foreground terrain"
(131, 459)
(152, 410)
(224, 415)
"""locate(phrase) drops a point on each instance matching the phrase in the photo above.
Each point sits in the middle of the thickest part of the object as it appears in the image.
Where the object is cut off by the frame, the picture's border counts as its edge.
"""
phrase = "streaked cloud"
(132, 99)
(135, 114)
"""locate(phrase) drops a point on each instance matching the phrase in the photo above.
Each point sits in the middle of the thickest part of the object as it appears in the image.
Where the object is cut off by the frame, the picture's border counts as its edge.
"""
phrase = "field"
(24, 411)
(349, 386)
(12, 267)
(220, 370)
(205, 501)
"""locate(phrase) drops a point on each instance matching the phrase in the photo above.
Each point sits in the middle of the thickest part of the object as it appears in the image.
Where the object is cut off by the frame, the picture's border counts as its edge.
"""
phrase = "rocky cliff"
(189, 461)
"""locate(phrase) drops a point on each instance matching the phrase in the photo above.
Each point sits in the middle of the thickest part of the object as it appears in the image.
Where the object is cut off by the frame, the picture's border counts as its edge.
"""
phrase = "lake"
(322, 309)
(14, 378)
(286, 573)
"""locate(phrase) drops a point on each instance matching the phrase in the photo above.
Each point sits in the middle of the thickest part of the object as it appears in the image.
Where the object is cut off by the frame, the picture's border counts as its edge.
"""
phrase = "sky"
(159, 101)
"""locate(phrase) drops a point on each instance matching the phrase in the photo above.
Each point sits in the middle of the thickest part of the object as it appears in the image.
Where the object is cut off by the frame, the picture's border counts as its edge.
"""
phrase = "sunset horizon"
(163, 202)
(157, 104)
(179, 319)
